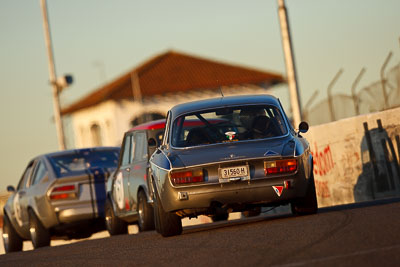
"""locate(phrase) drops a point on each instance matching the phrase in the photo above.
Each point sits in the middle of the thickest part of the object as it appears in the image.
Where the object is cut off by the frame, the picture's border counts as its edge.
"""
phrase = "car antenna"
(220, 89)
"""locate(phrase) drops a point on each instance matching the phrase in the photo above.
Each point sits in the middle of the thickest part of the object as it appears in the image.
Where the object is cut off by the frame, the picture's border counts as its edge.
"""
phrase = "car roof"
(80, 150)
(152, 125)
(224, 102)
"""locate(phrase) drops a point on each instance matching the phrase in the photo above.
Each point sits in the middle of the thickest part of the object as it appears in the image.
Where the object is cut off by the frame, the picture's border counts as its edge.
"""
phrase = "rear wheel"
(146, 213)
(167, 223)
(307, 204)
(114, 225)
(40, 236)
(11, 240)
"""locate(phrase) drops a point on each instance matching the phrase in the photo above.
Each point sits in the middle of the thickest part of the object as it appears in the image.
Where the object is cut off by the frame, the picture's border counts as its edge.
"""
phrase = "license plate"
(225, 174)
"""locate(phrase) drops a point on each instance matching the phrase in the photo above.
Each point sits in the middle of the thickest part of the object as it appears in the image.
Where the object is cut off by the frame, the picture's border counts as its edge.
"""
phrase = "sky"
(98, 40)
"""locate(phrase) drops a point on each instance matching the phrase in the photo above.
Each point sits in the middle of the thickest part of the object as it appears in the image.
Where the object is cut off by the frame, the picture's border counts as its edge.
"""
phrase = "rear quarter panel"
(39, 202)
(159, 165)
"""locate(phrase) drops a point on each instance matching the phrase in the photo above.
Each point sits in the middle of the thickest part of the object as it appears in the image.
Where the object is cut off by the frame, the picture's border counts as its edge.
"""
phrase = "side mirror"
(152, 143)
(163, 147)
(11, 189)
(303, 127)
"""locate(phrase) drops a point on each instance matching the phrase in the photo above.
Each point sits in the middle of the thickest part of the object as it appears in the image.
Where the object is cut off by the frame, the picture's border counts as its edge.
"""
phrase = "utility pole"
(290, 65)
(137, 93)
(53, 80)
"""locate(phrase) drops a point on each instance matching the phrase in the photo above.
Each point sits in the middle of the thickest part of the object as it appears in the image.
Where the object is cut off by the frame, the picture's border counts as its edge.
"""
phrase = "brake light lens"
(187, 177)
(63, 192)
(280, 166)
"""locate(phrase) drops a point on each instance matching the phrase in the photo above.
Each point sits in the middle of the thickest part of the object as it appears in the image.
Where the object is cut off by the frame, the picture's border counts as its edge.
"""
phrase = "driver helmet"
(248, 114)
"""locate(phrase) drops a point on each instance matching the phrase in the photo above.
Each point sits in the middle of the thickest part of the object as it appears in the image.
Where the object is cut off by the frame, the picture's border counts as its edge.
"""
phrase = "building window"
(96, 134)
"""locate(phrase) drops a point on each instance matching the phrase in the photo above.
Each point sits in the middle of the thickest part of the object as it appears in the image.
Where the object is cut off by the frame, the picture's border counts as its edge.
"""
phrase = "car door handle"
(128, 169)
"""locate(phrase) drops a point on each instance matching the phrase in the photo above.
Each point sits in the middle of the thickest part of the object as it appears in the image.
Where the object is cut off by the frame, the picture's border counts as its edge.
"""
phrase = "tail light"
(63, 192)
(187, 177)
(280, 166)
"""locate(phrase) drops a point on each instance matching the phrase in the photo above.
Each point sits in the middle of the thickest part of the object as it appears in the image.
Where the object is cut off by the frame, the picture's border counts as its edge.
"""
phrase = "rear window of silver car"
(79, 163)
(229, 124)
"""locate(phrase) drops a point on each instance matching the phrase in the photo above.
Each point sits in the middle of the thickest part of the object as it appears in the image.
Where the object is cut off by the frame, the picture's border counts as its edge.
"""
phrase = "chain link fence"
(369, 99)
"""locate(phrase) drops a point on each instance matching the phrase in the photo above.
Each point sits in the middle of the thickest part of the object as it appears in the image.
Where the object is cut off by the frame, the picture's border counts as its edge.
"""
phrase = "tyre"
(146, 213)
(40, 236)
(307, 204)
(114, 225)
(167, 223)
(252, 212)
(11, 240)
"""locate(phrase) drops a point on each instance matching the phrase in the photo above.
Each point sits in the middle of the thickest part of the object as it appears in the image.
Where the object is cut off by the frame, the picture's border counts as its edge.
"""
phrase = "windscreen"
(229, 124)
(77, 163)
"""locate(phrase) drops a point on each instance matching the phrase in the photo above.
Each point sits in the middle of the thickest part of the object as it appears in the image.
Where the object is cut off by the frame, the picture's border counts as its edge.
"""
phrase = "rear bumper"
(258, 191)
(74, 214)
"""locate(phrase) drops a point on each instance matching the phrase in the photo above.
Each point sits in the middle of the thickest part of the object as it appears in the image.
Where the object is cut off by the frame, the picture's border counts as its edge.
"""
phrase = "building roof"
(173, 72)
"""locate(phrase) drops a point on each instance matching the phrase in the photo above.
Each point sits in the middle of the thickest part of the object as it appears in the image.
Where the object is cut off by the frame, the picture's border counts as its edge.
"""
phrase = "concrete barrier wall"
(356, 159)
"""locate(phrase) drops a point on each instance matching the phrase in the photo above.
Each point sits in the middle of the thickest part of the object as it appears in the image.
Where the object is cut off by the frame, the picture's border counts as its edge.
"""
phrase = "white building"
(148, 91)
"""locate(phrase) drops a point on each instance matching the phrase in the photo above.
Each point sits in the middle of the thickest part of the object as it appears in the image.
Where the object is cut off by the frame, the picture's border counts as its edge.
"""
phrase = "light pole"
(290, 65)
(53, 80)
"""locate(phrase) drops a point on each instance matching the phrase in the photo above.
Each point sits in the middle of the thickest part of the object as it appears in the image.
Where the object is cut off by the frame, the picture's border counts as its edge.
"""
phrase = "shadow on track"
(286, 215)
(360, 205)
(232, 223)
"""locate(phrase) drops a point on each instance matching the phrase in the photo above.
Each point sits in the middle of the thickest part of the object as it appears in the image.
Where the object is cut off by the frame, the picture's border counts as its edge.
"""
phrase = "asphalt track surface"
(363, 234)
